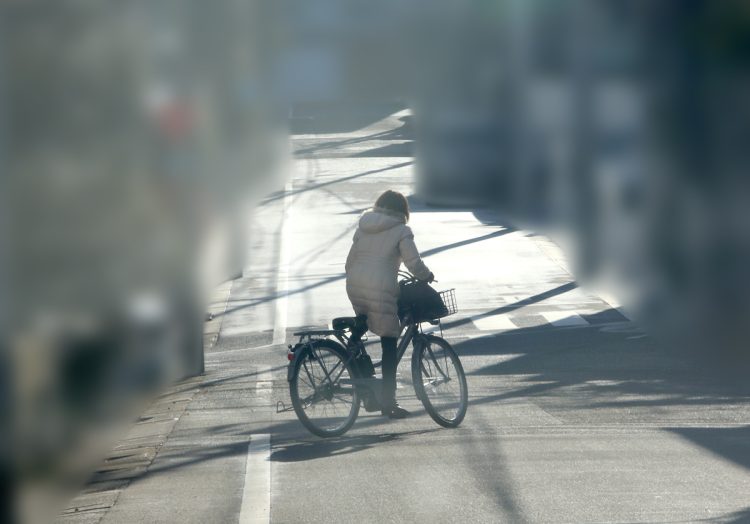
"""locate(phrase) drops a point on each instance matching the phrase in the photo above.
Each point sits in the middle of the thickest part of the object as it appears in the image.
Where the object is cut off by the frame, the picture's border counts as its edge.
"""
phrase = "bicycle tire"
(434, 360)
(307, 396)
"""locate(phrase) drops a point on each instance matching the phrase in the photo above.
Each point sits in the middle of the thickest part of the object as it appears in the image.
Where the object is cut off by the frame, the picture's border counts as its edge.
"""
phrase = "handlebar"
(408, 277)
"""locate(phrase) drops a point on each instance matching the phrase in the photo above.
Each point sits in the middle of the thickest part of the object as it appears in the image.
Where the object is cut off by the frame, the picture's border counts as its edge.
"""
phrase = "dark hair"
(393, 201)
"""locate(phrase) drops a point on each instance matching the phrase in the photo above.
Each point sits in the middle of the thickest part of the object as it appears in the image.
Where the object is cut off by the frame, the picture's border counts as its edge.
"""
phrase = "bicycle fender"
(297, 350)
(290, 369)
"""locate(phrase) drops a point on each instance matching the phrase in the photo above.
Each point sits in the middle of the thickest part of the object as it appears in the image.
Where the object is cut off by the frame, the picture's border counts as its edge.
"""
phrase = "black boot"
(395, 411)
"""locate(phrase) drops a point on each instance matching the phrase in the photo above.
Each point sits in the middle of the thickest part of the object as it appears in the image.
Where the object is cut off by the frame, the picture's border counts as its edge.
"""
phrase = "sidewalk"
(131, 457)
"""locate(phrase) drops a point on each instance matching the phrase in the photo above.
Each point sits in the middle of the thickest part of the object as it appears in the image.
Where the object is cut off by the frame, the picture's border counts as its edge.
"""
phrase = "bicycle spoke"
(434, 360)
(319, 357)
(343, 368)
(305, 383)
(308, 373)
(328, 373)
(307, 401)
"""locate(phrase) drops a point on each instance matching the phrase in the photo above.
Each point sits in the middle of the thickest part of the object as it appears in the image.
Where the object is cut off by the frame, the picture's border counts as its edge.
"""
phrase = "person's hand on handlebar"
(431, 278)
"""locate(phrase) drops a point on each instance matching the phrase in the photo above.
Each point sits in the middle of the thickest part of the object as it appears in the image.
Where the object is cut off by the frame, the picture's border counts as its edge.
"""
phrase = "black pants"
(390, 352)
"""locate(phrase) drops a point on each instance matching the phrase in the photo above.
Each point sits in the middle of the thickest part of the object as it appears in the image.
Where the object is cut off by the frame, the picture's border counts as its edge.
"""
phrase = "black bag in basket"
(421, 300)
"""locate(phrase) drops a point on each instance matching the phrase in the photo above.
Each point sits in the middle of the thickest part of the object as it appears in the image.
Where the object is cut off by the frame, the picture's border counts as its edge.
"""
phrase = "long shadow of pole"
(559, 290)
(313, 187)
(426, 254)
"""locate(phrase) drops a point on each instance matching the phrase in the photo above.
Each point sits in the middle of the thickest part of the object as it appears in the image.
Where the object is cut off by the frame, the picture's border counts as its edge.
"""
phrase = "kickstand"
(282, 407)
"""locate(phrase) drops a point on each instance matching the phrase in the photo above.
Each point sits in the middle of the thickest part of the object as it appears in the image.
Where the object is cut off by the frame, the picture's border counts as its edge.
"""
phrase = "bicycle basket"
(423, 303)
(449, 301)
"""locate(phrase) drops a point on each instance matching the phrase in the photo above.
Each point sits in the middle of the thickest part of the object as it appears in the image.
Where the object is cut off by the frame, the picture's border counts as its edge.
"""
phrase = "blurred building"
(135, 140)
(620, 126)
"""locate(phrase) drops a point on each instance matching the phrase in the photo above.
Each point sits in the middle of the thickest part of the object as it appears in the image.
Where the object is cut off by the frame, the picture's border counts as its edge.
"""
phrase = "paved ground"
(575, 414)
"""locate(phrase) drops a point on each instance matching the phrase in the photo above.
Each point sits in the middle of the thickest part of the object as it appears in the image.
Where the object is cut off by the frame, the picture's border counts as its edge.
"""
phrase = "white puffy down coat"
(382, 241)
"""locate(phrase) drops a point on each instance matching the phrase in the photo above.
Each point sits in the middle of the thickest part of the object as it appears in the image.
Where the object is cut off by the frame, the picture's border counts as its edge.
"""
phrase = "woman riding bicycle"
(382, 241)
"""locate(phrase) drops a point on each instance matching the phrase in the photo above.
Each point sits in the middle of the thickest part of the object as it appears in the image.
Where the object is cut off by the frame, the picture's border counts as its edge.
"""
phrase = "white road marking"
(474, 336)
(264, 384)
(282, 277)
(256, 494)
(265, 375)
(494, 323)
(216, 355)
(564, 318)
(485, 360)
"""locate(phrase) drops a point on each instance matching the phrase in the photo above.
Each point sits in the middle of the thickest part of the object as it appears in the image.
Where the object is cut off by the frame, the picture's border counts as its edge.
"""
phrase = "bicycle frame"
(411, 331)
(409, 335)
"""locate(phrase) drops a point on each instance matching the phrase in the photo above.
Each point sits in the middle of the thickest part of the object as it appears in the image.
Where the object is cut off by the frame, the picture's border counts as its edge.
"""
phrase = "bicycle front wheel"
(321, 389)
(439, 381)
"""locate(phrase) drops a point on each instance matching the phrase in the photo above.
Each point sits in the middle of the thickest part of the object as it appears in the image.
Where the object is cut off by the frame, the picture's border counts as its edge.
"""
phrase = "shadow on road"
(559, 290)
(313, 186)
(731, 444)
(291, 443)
(296, 451)
(737, 517)
(611, 367)
(613, 362)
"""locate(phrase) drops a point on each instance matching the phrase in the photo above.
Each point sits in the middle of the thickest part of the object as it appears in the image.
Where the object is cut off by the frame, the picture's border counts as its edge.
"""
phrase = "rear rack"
(318, 333)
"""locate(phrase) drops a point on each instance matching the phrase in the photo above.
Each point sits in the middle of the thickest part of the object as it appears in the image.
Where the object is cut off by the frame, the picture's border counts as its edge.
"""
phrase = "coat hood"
(376, 220)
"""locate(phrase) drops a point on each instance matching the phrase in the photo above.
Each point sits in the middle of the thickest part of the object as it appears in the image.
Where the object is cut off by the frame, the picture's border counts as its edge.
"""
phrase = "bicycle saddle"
(341, 323)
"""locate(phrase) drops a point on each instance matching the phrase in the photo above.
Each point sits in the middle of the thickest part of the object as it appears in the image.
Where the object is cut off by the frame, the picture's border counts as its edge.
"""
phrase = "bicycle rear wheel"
(323, 396)
(439, 381)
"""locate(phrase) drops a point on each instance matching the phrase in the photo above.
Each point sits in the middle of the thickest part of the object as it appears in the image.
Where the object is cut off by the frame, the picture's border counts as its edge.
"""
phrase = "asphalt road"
(575, 414)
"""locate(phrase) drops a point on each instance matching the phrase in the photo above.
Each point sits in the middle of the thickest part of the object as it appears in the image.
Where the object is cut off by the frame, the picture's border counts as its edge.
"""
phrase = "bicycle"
(327, 383)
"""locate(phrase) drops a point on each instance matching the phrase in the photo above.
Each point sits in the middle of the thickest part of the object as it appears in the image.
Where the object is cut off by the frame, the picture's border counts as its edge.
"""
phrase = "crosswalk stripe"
(494, 323)
(564, 318)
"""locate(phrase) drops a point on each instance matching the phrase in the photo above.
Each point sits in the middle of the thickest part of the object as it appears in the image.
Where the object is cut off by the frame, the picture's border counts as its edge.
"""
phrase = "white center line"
(256, 494)
(282, 277)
